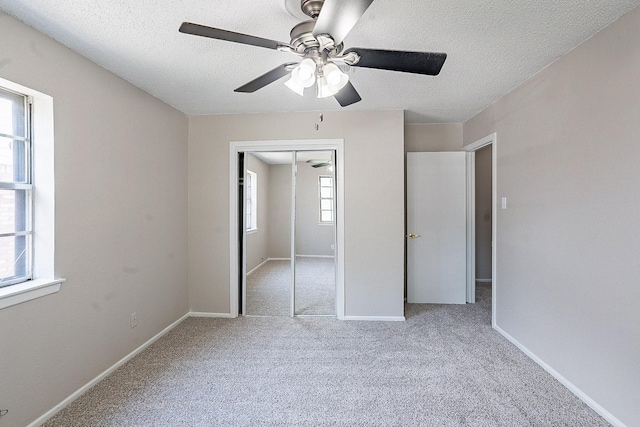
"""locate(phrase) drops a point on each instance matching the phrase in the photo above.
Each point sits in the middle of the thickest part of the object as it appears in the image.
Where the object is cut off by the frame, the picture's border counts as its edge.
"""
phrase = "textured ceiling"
(493, 46)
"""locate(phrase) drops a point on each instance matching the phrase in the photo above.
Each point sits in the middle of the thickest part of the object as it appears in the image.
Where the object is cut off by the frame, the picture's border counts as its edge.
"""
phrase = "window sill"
(23, 292)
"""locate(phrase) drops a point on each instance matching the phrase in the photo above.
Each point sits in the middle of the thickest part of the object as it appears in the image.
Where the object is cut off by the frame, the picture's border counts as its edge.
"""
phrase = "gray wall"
(433, 137)
(374, 237)
(257, 246)
(483, 213)
(568, 277)
(121, 226)
(279, 212)
(273, 238)
(311, 237)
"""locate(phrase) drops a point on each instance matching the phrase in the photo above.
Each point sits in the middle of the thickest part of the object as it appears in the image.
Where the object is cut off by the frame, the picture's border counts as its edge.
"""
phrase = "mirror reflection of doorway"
(289, 233)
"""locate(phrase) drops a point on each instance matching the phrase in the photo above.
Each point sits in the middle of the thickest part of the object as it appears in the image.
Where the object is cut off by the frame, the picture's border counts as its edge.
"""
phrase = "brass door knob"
(413, 235)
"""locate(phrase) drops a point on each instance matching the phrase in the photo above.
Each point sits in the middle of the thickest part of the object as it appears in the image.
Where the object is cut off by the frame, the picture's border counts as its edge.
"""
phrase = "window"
(16, 188)
(27, 195)
(251, 189)
(325, 192)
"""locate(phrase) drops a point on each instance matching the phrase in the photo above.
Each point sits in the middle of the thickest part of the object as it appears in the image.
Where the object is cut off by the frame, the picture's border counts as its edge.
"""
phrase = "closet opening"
(288, 230)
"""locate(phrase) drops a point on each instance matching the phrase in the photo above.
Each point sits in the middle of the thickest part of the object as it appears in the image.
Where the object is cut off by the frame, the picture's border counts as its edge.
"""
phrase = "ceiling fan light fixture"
(331, 81)
(323, 88)
(305, 73)
(334, 76)
(319, 42)
(294, 86)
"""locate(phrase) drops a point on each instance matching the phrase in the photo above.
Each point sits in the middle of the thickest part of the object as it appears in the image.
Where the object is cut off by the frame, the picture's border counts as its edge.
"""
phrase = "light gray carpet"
(269, 288)
(444, 366)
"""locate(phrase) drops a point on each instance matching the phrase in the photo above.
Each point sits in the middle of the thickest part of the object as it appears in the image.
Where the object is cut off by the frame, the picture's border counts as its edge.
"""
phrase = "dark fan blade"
(338, 17)
(320, 165)
(395, 60)
(265, 79)
(347, 95)
(230, 36)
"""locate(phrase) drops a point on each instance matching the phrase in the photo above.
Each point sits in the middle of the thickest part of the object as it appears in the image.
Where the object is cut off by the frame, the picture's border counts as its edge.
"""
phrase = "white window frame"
(43, 281)
(16, 185)
(320, 199)
(251, 203)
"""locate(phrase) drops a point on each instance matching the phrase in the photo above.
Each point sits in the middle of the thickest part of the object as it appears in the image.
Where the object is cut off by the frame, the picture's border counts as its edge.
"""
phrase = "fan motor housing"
(303, 40)
(302, 36)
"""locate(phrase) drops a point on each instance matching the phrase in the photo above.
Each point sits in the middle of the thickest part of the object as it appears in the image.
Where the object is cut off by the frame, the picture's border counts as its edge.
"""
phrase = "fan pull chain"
(320, 120)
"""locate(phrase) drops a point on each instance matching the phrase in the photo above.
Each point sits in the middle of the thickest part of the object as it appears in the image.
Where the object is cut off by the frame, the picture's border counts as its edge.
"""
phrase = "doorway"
(484, 150)
(300, 270)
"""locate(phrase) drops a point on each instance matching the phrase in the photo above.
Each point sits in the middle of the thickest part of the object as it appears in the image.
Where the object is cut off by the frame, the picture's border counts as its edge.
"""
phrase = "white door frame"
(471, 218)
(292, 227)
(236, 147)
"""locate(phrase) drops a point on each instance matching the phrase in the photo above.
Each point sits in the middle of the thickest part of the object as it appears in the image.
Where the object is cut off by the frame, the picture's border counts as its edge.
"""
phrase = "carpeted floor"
(269, 288)
(444, 366)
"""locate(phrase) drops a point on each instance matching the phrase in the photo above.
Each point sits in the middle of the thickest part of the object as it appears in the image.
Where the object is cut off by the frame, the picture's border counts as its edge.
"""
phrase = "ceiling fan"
(319, 43)
(319, 163)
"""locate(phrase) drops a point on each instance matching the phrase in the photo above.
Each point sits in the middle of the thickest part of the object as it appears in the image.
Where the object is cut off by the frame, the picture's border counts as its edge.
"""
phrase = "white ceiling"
(492, 47)
(286, 157)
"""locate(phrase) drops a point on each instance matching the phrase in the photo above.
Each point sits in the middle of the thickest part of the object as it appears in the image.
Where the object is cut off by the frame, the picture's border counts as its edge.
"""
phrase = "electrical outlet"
(134, 320)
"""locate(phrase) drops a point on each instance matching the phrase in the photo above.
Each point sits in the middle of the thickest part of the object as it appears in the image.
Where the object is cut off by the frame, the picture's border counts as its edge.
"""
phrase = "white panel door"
(436, 228)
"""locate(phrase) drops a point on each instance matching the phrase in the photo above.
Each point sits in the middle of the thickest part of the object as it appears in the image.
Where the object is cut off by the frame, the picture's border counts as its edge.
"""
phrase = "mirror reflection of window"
(325, 191)
(251, 189)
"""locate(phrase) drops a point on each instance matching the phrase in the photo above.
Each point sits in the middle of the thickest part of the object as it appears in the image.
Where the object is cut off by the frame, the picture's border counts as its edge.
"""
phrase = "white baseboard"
(50, 413)
(376, 318)
(258, 266)
(575, 390)
(483, 280)
(202, 314)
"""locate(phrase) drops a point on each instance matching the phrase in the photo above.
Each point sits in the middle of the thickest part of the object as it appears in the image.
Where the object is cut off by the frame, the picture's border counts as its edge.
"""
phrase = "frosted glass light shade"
(294, 86)
(334, 76)
(332, 81)
(305, 73)
(323, 88)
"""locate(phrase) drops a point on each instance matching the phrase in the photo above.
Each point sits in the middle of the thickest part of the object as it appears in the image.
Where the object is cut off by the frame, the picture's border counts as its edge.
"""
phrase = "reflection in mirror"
(315, 234)
(268, 281)
(271, 289)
